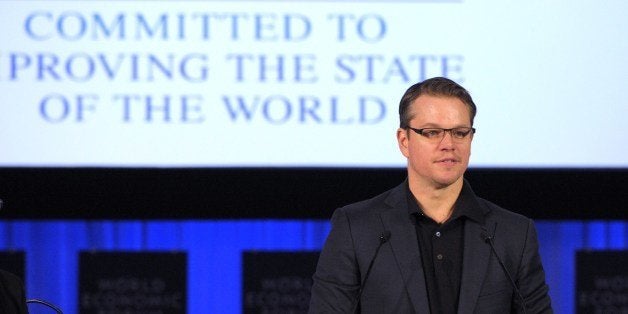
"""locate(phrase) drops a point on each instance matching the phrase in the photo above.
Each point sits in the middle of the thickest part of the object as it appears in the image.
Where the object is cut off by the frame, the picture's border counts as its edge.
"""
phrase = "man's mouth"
(447, 161)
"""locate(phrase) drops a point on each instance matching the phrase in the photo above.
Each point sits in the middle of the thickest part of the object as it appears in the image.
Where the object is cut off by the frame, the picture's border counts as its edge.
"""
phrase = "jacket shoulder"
(494, 211)
(376, 204)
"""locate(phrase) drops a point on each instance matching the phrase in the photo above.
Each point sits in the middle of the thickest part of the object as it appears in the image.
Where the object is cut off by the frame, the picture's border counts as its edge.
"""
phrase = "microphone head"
(383, 238)
(487, 237)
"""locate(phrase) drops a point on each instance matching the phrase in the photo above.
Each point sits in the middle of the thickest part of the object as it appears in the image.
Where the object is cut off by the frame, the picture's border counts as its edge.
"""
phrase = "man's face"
(442, 162)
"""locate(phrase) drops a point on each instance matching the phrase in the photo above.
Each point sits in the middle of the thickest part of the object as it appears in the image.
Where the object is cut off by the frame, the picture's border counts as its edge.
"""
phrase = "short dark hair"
(437, 86)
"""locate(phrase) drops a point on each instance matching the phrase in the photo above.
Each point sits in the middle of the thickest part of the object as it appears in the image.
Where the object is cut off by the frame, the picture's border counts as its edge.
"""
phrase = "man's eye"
(460, 133)
(431, 133)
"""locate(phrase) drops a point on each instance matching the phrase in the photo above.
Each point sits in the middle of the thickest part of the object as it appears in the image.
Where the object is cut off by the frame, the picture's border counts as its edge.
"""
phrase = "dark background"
(294, 193)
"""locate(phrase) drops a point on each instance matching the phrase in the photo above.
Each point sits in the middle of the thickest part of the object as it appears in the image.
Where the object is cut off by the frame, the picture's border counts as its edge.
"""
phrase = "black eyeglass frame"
(420, 131)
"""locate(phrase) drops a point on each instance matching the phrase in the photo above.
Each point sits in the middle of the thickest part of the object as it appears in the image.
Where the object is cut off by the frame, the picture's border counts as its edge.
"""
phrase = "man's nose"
(447, 142)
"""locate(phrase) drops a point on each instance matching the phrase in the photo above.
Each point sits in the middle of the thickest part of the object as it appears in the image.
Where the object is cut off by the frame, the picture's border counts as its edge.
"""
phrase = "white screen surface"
(305, 83)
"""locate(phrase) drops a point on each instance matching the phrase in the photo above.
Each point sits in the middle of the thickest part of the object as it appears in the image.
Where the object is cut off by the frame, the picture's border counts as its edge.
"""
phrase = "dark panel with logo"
(14, 262)
(602, 282)
(277, 282)
(132, 282)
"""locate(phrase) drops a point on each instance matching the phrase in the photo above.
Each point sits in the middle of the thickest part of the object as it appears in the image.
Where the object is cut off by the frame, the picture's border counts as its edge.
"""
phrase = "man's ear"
(402, 141)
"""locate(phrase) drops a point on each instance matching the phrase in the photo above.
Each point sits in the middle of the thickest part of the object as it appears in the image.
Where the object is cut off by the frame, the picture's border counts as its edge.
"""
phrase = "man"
(430, 245)
(12, 297)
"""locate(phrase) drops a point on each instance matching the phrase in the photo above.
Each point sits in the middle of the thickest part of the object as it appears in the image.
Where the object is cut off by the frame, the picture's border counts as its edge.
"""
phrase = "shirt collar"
(465, 206)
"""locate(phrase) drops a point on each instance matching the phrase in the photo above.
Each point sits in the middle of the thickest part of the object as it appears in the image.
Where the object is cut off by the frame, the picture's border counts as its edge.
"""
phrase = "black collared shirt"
(441, 247)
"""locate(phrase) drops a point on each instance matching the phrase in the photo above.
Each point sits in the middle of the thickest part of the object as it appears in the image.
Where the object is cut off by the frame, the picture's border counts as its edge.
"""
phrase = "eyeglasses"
(437, 134)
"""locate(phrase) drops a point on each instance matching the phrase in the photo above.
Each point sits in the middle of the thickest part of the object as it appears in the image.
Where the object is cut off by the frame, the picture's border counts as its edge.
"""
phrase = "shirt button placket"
(438, 256)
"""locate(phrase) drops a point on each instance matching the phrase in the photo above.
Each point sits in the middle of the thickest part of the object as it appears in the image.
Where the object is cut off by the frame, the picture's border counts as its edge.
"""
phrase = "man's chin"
(447, 181)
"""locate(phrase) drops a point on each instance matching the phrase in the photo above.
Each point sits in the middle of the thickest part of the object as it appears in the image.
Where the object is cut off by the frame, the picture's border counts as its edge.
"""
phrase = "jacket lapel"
(474, 266)
(405, 248)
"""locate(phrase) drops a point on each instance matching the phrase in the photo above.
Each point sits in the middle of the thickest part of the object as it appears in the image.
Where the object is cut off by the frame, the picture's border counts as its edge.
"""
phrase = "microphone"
(45, 303)
(383, 238)
(488, 238)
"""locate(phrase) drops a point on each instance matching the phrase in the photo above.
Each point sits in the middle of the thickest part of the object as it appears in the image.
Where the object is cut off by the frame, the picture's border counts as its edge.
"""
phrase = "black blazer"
(12, 296)
(396, 283)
